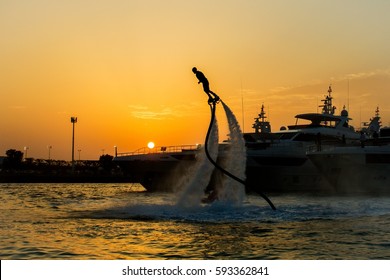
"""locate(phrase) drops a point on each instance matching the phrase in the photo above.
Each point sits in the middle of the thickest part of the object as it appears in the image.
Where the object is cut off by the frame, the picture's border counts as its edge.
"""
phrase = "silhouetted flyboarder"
(206, 87)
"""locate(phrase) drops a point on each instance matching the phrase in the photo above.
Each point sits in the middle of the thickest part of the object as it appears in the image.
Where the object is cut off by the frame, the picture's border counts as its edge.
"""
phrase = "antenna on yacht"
(348, 97)
(242, 108)
(377, 112)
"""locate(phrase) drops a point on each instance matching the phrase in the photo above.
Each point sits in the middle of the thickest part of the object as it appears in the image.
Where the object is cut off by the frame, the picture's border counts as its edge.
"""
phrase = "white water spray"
(235, 162)
(198, 178)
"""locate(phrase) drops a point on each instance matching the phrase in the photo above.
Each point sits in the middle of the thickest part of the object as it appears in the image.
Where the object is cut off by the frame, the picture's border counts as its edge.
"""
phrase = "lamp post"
(116, 151)
(73, 120)
(49, 148)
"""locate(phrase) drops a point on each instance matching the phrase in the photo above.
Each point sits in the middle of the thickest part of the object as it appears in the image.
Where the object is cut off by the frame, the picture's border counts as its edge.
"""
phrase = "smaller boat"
(157, 168)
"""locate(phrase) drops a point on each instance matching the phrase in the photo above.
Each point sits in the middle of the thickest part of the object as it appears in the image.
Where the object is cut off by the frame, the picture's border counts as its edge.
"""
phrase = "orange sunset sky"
(123, 67)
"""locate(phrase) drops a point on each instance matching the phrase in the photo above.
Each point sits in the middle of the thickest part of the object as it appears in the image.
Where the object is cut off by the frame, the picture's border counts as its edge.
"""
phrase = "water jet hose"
(212, 107)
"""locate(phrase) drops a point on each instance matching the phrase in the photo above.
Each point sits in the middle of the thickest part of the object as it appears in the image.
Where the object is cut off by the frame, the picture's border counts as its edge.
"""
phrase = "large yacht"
(276, 161)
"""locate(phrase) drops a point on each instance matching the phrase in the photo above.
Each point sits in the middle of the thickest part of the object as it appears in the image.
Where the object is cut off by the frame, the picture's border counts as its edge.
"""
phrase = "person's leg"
(206, 88)
(216, 97)
(207, 91)
(211, 99)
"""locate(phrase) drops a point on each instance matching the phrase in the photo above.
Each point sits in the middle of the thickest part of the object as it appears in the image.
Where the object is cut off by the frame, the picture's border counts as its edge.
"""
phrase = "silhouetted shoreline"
(15, 169)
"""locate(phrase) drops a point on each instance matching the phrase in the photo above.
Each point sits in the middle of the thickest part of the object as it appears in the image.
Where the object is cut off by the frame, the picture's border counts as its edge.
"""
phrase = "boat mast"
(261, 124)
(328, 107)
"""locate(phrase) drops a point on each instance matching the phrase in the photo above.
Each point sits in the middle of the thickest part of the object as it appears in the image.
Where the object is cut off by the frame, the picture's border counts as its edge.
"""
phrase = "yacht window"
(330, 123)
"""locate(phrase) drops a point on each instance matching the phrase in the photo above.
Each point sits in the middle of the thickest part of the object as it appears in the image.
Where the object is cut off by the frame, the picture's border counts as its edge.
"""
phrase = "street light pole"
(49, 148)
(73, 120)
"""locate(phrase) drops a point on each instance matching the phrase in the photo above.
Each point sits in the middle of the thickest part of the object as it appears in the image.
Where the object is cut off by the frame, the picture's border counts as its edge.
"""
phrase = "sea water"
(120, 221)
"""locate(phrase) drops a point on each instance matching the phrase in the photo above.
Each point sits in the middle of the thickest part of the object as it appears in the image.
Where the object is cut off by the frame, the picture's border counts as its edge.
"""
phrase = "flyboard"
(214, 193)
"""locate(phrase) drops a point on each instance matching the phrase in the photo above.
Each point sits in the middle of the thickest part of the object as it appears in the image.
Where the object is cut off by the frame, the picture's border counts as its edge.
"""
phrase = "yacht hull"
(355, 169)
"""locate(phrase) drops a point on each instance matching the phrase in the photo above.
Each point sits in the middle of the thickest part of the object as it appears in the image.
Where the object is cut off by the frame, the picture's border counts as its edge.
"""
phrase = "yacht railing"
(161, 150)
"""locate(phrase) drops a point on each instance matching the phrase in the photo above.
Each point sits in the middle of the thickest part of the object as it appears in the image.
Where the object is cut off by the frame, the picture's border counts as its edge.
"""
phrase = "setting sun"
(151, 145)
